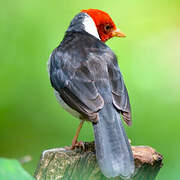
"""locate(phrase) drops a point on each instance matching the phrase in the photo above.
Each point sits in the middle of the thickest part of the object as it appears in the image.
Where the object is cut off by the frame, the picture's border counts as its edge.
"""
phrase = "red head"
(105, 25)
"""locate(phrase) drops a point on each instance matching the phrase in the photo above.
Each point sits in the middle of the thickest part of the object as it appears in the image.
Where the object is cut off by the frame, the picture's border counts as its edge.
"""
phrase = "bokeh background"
(31, 120)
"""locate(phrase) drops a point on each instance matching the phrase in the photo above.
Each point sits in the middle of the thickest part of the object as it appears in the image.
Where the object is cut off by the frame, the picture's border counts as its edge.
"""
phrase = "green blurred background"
(31, 120)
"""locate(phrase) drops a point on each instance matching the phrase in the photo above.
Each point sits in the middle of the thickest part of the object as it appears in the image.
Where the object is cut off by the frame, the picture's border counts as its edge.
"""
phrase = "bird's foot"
(79, 144)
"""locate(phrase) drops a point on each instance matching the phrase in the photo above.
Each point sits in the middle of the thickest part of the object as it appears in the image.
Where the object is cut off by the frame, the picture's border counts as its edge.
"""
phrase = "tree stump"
(81, 164)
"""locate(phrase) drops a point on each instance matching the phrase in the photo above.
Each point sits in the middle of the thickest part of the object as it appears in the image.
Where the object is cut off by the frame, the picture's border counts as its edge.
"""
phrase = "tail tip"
(116, 171)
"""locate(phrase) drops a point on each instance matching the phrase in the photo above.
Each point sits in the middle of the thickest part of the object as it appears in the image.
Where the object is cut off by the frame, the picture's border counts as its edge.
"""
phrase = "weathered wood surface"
(79, 164)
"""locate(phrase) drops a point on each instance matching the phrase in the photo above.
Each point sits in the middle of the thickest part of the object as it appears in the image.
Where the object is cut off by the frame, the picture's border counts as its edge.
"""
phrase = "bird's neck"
(83, 22)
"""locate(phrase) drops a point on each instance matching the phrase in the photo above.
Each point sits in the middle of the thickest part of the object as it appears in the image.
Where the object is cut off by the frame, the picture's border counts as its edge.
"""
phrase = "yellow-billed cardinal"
(88, 83)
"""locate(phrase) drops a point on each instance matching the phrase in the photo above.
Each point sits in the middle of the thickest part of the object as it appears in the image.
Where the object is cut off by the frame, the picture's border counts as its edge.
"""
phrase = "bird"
(87, 81)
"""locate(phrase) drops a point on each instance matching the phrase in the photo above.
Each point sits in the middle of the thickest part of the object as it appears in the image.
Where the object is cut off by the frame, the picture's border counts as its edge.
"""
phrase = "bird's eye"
(107, 27)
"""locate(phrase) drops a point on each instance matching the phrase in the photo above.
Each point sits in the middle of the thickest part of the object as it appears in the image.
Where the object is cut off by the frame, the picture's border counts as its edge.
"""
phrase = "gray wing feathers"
(83, 86)
(119, 91)
(75, 84)
(79, 76)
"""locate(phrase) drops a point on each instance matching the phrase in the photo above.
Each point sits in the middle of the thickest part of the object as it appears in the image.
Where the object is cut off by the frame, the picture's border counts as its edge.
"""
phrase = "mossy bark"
(79, 164)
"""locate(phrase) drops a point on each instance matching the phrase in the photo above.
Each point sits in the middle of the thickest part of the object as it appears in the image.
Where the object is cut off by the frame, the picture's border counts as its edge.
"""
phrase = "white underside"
(90, 26)
(65, 106)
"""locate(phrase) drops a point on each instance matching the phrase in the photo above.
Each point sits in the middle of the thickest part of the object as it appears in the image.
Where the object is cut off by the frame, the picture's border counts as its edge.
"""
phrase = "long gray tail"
(113, 150)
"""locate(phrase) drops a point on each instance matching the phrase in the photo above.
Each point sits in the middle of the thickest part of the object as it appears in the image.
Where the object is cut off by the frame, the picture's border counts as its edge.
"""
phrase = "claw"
(79, 144)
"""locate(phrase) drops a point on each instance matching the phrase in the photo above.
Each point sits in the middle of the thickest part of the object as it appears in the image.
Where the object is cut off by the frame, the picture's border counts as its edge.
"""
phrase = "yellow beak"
(118, 33)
